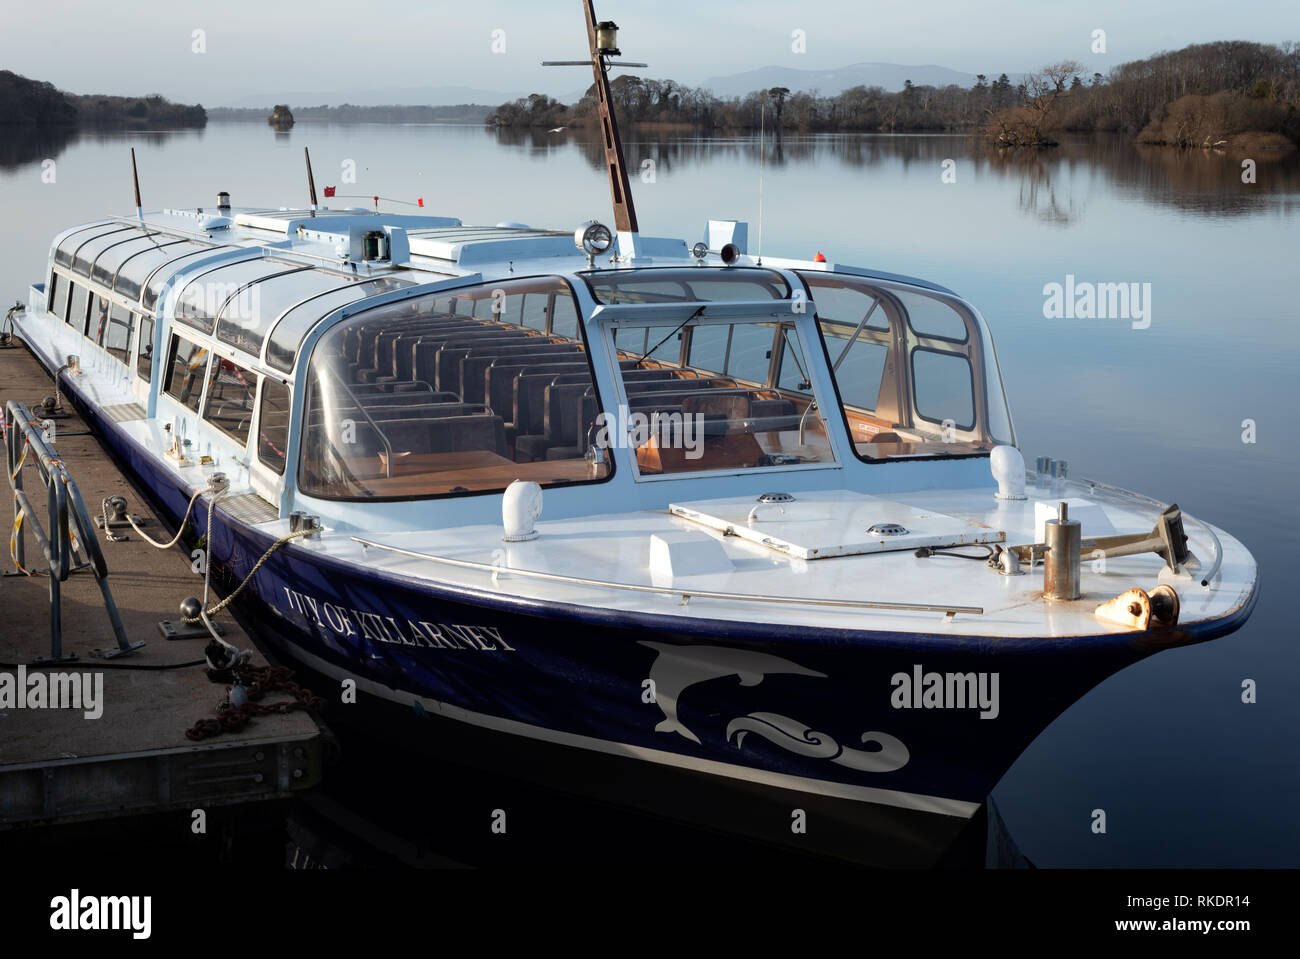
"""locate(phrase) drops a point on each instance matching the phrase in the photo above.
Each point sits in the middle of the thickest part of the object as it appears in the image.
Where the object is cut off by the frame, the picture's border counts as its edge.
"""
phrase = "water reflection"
(1207, 182)
(22, 145)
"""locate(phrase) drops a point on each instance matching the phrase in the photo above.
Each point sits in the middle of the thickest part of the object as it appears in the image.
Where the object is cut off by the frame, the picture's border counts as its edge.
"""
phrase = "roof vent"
(776, 498)
(887, 529)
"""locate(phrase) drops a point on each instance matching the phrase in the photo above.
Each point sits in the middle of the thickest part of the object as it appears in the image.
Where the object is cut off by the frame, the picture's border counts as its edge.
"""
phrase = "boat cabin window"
(715, 395)
(914, 372)
(98, 327)
(273, 425)
(57, 301)
(80, 308)
(451, 392)
(230, 398)
(117, 340)
(144, 352)
(187, 365)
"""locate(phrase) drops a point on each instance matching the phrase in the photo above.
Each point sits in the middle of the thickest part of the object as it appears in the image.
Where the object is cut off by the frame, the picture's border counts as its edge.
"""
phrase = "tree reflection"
(1199, 181)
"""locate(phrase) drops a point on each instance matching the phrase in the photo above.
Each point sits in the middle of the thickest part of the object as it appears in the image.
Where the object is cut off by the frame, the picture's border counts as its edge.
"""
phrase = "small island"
(281, 117)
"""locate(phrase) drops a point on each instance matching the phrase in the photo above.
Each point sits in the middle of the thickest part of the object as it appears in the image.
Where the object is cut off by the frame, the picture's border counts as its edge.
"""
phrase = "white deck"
(616, 549)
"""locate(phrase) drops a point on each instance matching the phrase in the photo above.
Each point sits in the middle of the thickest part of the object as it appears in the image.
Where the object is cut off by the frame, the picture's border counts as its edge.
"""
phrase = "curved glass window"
(91, 250)
(914, 371)
(68, 246)
(133, 270)
(248, 315)
(932, 318)
(287, 335)
(484, 401)
(686, 285)
(110, 261)
(207, 294)
(162, 273)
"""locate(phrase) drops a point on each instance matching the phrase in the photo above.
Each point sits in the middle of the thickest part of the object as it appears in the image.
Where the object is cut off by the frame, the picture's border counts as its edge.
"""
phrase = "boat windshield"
(715, 394)
(452, 392)
(688, 285)
(916, 373)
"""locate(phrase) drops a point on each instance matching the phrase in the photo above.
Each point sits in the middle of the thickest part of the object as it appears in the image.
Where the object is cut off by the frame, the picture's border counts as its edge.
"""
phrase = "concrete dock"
(58, 765)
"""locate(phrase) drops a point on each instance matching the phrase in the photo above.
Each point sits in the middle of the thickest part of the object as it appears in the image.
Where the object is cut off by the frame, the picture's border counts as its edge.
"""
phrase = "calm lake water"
(1188, 775)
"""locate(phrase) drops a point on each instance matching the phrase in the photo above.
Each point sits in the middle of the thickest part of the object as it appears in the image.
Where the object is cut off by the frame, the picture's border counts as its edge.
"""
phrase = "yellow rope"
(18, 521)
(256, 566)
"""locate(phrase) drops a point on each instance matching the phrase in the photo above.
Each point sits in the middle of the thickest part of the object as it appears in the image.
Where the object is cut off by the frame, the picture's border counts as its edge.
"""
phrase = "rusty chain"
(257, 681)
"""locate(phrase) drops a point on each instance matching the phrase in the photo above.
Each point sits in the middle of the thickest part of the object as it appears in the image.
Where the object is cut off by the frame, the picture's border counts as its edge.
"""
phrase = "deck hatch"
(834, 523)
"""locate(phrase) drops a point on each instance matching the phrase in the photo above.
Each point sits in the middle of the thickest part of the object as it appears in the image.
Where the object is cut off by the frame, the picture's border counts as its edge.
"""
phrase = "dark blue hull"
(812, 712)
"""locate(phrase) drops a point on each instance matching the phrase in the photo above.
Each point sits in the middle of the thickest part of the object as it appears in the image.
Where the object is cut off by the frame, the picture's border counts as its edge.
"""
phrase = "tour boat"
(709, 522)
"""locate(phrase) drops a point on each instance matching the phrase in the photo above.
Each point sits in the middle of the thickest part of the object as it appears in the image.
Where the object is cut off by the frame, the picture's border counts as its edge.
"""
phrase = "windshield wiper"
(669, 336)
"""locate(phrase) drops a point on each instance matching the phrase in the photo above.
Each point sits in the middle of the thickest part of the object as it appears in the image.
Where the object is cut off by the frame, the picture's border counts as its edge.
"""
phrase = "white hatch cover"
(834, 523)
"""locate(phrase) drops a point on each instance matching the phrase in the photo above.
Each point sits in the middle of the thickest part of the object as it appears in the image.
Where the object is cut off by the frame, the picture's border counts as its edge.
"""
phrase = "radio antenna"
(135, 175)
(762, 129)
(602, 39)
(311, 182)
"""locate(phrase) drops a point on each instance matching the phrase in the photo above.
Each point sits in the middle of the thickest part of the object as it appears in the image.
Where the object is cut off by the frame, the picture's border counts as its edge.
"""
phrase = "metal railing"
(1205, 577)
(66, 515)
(383, 437)
(685, 593)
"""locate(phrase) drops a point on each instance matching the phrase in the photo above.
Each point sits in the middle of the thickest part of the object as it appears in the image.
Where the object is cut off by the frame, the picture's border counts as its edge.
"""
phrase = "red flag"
(419, 201)
(329, 191)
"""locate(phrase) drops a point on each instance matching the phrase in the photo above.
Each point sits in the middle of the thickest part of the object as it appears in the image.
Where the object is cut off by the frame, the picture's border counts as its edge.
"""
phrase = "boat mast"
(619, 187)
(602, 37)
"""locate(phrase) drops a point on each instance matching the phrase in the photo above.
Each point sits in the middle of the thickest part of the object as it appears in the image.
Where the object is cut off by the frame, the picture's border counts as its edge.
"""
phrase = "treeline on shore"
(351, 113)
(37, 103)
(1204, 94)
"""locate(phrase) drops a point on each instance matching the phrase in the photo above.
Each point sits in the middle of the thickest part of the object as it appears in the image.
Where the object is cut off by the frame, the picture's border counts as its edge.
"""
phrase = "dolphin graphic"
(677, 667)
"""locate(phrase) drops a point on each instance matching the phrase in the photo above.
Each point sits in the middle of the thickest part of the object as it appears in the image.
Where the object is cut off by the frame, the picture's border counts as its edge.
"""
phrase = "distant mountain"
(890, 76)
(827, 82)
(390, 96)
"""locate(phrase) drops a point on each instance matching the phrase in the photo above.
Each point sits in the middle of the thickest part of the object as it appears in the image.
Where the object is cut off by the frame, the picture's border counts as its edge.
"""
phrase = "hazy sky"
(268, 47)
